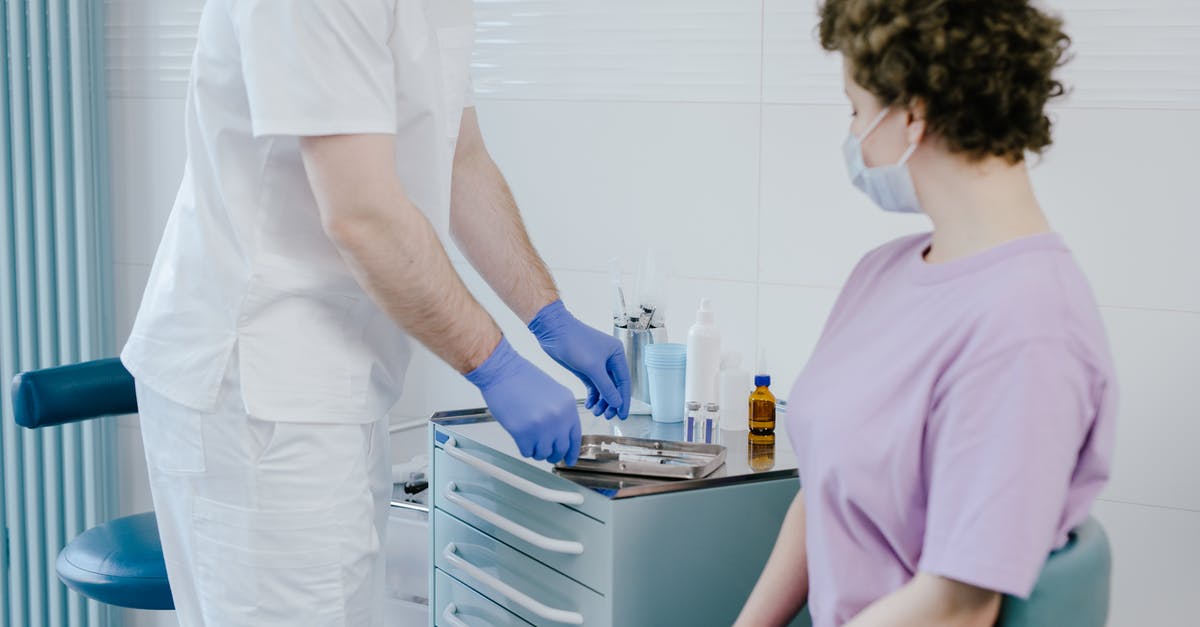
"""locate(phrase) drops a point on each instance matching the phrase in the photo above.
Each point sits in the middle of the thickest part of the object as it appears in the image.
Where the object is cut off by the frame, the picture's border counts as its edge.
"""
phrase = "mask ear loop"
(908, 153)
(874, 123)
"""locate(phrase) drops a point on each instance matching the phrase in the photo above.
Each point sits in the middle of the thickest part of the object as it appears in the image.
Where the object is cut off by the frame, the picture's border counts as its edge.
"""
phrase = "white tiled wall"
(710, 130)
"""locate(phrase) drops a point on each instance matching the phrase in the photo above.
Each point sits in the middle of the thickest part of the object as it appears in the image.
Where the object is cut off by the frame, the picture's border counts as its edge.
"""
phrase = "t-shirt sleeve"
(317, 67)
(1001, 447)
(469, 97)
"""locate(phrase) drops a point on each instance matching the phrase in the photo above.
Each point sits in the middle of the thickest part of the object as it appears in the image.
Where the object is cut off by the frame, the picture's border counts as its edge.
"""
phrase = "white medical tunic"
(244, 263)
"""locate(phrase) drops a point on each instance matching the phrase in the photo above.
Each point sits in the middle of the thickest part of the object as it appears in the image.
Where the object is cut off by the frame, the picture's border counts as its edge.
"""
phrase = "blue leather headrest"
(55, 396)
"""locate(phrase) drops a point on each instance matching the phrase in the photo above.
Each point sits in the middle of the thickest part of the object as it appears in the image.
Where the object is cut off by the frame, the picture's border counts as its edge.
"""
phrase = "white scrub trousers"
(267, 523)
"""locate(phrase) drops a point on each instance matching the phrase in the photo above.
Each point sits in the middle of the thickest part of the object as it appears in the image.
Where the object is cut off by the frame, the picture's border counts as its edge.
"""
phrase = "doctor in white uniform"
(331, 144)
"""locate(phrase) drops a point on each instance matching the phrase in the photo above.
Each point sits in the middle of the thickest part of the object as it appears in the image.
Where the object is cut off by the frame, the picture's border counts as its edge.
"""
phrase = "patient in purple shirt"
(956, 419)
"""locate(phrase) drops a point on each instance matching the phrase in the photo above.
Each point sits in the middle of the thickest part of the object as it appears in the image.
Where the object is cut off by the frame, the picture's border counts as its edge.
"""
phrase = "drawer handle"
(450, 617)
(520, 483)
(524, 600)
(568, 547)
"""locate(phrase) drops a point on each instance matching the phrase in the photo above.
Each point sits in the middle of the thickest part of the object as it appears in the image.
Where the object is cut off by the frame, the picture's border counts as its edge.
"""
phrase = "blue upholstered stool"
(119, 562)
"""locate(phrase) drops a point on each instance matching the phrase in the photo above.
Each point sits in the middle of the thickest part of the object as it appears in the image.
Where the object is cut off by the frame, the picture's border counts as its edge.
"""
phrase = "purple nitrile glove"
(537, 411)
(596, 358)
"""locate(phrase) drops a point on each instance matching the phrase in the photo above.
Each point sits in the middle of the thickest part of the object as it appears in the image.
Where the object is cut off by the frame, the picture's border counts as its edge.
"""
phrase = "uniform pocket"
(301, 355)
(267, 567)
(454, 46)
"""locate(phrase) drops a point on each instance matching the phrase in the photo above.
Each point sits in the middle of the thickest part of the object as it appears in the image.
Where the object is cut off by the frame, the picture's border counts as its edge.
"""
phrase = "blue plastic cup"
(666, 366)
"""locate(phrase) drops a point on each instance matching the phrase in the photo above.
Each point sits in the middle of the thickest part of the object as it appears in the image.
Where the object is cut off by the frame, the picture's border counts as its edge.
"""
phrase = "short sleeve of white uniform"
(317, 67)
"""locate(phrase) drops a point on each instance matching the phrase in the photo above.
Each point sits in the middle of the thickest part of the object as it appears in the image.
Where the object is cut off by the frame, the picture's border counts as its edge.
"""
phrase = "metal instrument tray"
(619, 455)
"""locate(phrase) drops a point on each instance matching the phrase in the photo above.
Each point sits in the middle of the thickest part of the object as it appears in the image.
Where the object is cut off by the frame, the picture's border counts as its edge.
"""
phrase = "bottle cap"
(712, 407)
(693, 405)
(761, 380)
(704, 315)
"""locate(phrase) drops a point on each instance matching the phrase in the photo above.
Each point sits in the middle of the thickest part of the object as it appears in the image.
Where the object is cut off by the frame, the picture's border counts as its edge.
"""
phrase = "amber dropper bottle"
(762, 410)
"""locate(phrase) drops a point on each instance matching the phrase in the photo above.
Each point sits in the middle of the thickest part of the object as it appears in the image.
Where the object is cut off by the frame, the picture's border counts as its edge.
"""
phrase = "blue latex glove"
(537, 411)
(596, 358)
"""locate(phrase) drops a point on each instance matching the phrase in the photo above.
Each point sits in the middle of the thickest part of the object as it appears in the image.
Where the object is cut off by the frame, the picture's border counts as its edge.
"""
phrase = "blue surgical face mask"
(890, 186)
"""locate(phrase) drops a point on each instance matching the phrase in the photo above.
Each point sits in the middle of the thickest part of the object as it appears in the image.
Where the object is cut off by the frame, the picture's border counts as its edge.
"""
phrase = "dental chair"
(1072, 591)
(119, 562)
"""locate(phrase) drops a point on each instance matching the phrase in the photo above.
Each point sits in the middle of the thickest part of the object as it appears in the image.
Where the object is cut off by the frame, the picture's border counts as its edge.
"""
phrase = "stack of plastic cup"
(665, 369)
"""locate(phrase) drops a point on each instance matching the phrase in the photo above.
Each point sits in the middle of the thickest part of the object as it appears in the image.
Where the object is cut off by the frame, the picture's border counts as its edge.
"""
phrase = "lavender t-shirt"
(955, 419)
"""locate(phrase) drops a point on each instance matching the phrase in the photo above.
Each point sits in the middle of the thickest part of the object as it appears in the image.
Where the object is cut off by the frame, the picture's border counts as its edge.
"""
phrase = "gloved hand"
(597, 359)
(537, 411)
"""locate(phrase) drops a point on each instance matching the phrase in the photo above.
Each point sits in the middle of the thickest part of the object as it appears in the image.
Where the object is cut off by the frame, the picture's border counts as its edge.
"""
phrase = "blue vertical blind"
(55, 305)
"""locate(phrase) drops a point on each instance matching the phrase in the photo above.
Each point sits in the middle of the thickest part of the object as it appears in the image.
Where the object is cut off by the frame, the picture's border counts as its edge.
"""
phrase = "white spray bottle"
(703, 358)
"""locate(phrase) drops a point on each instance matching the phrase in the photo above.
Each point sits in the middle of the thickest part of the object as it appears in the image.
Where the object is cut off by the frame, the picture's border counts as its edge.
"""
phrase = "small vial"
(712, 413)
(691, 422)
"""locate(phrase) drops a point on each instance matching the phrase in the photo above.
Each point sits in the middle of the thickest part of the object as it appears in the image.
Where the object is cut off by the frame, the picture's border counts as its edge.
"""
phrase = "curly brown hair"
(983, 69)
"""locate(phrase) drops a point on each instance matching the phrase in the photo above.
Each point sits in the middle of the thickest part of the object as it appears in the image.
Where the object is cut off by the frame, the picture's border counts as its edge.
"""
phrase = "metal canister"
(635, 341)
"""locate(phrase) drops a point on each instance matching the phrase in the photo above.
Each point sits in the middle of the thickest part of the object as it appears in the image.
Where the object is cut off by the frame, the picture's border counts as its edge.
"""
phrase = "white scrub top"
(244, 262)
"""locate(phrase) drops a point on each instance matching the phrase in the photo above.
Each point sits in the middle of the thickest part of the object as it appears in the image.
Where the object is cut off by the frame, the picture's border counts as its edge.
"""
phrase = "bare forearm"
(487, 226)
(392, 250)
(782, 589)
(929, 600)
(402, 265)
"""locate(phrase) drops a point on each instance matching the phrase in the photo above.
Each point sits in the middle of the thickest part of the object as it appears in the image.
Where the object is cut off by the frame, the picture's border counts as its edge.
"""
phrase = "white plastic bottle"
(703, 358)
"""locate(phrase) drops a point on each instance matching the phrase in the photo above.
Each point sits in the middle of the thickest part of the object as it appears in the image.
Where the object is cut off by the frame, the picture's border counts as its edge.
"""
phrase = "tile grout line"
(1189, 510)
(758, 217)
(827, 287)
(1173, 310)
(762, 102)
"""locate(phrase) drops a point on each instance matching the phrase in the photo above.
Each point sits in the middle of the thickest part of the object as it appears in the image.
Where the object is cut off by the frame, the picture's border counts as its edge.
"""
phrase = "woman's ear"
(915, 127)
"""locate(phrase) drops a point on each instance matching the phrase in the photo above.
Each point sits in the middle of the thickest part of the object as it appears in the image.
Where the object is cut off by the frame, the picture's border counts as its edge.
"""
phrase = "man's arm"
(392, 249)
(486, 224)
(782, 589)
(396, 256)
(932, 601)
